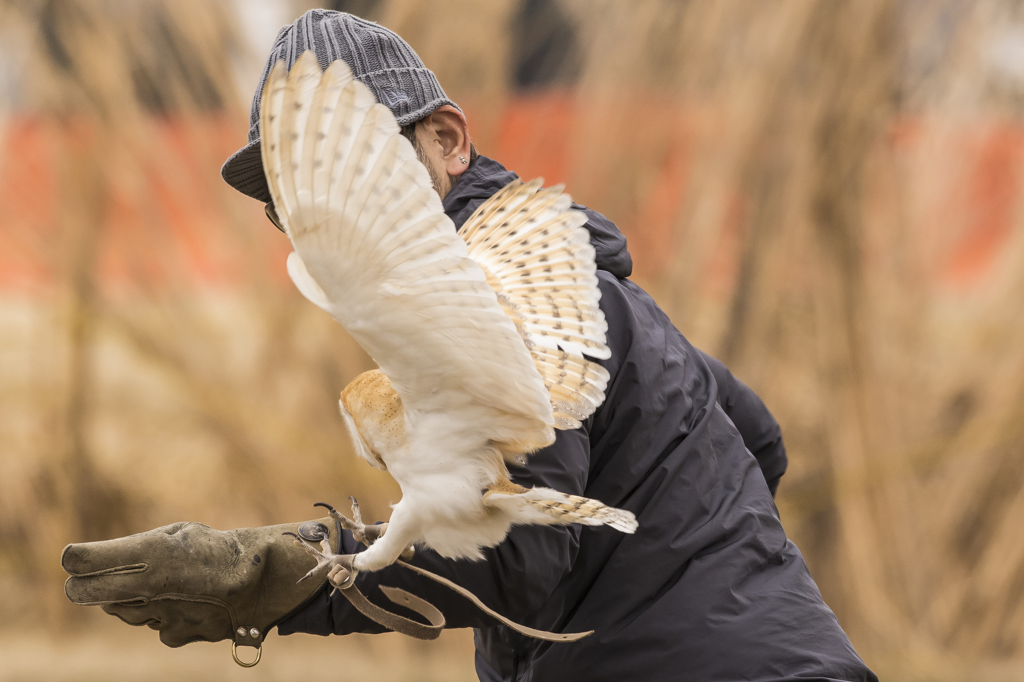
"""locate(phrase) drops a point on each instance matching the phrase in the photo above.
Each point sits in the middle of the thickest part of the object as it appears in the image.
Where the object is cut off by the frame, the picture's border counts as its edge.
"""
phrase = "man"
(709, 588)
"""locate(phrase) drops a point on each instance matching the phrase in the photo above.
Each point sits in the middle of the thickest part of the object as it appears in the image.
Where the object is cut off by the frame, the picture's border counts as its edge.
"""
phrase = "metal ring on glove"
(234, 655)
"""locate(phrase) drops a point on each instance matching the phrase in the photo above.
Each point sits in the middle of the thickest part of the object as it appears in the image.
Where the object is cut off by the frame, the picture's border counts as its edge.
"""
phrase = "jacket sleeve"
(757, 426)
(515, 578)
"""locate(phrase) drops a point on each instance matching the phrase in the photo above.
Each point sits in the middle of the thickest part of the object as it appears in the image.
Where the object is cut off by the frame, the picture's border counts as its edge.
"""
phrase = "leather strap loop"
(521, 629)
(406, 626)
(393, 621)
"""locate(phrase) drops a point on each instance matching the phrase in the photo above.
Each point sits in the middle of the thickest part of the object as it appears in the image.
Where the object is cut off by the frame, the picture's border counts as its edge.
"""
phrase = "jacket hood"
(486, 176)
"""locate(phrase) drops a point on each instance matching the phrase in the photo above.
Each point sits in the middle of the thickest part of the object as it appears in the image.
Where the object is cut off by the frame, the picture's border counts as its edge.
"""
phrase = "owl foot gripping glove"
(193, 583)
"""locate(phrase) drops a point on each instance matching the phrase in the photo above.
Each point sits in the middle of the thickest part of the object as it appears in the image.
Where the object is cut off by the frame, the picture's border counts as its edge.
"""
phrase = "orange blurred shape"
(28, 200)
(992, 178)
(167, 215)
(170, 218)
(534, 135)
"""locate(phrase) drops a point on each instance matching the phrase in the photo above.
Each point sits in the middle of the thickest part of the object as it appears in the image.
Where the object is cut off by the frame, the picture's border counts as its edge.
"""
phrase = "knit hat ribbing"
(379, 58)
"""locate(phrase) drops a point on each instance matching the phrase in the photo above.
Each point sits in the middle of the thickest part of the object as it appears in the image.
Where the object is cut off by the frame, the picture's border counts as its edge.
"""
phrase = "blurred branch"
(243, 419)
(97, 504)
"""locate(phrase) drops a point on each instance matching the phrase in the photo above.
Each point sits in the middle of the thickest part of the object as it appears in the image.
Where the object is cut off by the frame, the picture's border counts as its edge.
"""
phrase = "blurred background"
(825, 194)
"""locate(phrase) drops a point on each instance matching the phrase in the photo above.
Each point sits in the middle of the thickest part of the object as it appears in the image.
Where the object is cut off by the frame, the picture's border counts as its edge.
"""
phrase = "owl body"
(482, 336)
(443, 504)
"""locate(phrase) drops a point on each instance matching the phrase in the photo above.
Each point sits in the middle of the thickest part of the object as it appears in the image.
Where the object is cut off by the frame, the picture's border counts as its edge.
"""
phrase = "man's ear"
(451, 131)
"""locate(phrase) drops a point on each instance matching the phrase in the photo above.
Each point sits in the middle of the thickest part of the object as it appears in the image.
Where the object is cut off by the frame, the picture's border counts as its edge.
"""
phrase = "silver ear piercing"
(463, 159)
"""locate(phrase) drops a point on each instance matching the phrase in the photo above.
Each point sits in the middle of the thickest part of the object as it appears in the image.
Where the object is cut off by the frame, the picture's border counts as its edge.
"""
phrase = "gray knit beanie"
(378, 57)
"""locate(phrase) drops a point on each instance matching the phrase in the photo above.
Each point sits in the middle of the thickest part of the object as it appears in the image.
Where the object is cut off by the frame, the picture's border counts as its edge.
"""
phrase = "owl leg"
(403, 529)
(342, 570)
(361, 532)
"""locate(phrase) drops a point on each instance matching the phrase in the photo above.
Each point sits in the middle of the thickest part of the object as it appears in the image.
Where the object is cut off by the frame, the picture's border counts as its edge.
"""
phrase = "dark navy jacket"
(709, 587)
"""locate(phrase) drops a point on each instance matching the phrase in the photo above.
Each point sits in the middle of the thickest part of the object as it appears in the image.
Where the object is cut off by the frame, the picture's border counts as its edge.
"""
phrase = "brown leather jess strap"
(521, 629)
(406, 626)
(392, 621)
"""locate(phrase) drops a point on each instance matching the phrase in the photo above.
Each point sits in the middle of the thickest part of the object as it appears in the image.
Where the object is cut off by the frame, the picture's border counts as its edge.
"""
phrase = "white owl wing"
(374, 248)
(537, 256)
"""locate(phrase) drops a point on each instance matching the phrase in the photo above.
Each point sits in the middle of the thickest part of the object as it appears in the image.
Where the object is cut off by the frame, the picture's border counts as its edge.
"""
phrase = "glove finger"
(179, 622)
(106, 555)
(109, 588)
(135, 614)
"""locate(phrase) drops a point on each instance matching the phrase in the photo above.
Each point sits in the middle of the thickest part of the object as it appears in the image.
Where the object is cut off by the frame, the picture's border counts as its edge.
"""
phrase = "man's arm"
(757, 426)
(515, 578)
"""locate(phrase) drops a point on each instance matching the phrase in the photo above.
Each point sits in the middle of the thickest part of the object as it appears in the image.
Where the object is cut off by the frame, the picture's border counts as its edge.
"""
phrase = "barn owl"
(480, 336)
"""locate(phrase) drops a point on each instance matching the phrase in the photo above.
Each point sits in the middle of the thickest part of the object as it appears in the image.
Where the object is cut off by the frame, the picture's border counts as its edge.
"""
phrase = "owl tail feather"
(547, 506)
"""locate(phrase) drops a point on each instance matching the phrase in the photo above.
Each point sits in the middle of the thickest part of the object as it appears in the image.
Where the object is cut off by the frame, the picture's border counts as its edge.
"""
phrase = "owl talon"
(342, 572)
(322, 559)
(361, 532)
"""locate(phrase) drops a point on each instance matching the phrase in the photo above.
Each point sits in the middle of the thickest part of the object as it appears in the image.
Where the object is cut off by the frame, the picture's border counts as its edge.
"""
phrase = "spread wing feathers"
(547, 506)
(374, 248)
(538, 258)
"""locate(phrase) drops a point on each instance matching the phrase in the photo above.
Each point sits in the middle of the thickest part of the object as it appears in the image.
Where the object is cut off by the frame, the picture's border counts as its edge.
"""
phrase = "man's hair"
(409, 132)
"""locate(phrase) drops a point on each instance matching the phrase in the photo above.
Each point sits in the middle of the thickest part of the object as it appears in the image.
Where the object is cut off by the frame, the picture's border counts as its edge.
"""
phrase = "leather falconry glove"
(193, 583)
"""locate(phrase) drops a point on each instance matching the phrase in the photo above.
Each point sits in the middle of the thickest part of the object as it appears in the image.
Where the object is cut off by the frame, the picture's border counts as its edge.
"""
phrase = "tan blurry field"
(825, 194)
